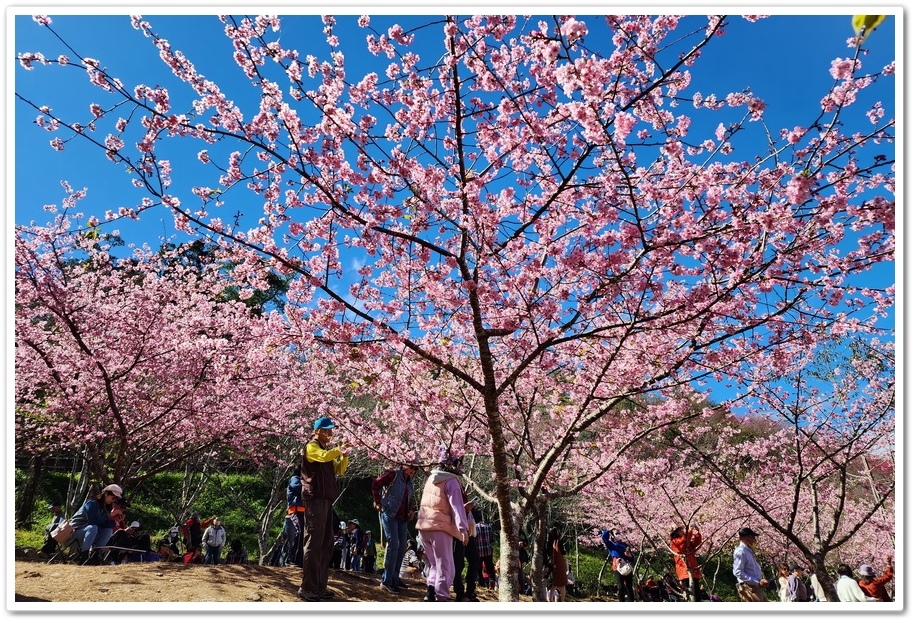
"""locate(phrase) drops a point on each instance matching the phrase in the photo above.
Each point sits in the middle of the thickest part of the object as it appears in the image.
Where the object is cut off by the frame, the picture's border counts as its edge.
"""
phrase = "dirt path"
(36, 581)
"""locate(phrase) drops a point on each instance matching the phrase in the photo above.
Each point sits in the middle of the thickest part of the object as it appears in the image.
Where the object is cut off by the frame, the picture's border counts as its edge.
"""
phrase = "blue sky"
(783, 59)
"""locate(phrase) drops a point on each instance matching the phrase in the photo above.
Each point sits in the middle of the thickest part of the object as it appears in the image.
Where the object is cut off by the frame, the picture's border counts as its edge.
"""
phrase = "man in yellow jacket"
(321, 465)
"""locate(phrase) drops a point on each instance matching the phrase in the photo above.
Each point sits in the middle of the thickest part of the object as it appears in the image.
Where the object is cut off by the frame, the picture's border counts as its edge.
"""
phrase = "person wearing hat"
(354, 551)
(442, 519)
(131, 537)
(846, 587)
(796, 589)
(338, 560)
(165, 551)
(321, 464)
(873, 586)
(50, 545)
(172, 540)
(93, 524)
(745, 568)
(392, 496)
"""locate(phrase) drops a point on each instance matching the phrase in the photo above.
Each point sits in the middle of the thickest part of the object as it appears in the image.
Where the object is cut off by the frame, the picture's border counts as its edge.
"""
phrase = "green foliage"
(589, 562)
(356, 503)
(32, 538)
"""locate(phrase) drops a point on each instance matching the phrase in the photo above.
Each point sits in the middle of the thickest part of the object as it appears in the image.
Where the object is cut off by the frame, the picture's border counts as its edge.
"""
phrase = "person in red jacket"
(874, 587)
(685, 541)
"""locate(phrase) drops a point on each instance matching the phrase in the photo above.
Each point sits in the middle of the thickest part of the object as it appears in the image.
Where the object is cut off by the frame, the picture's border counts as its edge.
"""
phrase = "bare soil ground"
(35, 580)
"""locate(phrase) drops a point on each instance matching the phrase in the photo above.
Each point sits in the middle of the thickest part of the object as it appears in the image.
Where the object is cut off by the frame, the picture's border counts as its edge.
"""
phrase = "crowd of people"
(791, 578)
(101, 535)
(453, 554)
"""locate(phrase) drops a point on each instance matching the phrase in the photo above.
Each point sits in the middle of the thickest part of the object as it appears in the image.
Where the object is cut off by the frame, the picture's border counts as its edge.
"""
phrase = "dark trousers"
(473, 557)
(299, 543)
(624, 587)
(318, 545)
(469, 552)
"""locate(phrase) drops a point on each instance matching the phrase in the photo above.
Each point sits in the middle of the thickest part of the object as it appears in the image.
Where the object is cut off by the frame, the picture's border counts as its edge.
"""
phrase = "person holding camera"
(622, 558)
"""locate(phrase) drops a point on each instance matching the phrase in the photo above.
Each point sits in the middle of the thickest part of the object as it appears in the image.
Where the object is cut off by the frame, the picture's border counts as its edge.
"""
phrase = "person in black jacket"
(321, 464)
(50, 545)
(295, 515)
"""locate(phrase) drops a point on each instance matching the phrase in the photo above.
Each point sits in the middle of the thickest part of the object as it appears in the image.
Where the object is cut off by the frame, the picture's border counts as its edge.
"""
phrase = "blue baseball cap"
(323, 422)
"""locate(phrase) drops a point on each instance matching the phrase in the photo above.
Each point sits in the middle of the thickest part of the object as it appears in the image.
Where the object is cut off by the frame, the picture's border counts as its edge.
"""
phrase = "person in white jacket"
(214, 538)
(847, 589)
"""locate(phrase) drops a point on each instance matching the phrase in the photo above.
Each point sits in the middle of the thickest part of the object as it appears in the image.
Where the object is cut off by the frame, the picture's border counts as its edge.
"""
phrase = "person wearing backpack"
(619, 551)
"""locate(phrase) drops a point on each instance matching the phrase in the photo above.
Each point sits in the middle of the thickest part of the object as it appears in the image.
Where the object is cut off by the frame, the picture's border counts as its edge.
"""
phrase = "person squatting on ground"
(321, 465)
(745, 568)
(442, 518)
(93, 524)
(392, 496)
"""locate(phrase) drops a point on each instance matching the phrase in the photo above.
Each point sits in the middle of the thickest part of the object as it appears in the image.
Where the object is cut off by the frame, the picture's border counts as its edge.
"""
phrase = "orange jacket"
(685, 559)
(875, 587)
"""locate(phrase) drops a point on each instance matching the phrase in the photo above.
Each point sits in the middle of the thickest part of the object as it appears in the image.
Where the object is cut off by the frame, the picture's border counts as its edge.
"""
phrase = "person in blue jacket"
(619, 551)
(93, 524)
(295, 515)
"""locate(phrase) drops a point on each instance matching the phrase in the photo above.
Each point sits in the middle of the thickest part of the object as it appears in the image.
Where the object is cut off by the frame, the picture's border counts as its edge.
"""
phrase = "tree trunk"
(538, 588)
(607, 559)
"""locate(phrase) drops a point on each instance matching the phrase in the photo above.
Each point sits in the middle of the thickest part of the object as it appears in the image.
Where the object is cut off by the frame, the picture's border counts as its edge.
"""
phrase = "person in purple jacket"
(443, 517)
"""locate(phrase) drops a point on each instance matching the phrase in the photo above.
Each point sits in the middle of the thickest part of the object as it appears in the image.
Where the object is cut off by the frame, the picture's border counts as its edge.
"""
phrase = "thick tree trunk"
(823, 576)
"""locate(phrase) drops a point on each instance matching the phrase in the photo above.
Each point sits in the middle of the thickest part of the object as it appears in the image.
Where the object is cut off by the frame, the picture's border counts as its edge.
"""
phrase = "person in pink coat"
(442, 518)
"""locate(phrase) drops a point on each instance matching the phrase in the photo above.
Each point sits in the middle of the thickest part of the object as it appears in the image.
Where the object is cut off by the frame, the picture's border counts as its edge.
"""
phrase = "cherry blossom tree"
(810, 482)
(137, 365)
(549, 224)
(817, 482)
